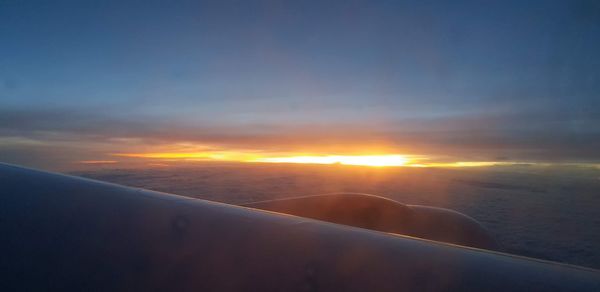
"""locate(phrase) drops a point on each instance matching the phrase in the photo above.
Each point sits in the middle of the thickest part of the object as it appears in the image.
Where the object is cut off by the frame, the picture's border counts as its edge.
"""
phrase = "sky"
(97, 81)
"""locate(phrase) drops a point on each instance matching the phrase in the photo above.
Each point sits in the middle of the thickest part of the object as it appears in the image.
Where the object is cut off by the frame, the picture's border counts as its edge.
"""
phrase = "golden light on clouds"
(97, 161)
(169, 155)
(374, 160)
(193, 156)
(366, 160)
(459, 164)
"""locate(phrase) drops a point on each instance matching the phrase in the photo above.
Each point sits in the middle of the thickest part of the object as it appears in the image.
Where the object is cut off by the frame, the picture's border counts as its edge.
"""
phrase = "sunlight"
(174, 156)
(366, 160)
(168, 155)
(464, 164)
(97, 161)
(376, 160)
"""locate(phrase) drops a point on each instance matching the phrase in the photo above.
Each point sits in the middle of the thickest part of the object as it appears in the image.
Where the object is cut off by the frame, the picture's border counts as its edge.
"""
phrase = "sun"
(377, 160)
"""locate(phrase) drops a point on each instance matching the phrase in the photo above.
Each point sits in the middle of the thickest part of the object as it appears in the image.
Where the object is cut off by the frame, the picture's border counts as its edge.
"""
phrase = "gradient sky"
(458, 80)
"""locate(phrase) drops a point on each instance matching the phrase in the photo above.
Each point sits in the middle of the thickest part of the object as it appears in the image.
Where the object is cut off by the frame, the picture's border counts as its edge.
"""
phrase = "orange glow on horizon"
(465, 164)
(373, 160)
(365, 160)
(97, 161)
(216, 156)
(167, 155)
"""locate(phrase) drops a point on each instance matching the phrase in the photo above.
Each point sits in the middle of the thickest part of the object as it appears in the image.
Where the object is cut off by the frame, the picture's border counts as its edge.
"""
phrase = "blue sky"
(468, 79)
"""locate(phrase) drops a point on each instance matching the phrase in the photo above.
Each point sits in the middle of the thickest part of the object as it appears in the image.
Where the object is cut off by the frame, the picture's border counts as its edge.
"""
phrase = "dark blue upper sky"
(512, 79)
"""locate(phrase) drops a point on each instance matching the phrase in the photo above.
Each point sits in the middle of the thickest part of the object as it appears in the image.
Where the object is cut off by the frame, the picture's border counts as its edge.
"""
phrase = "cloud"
(33, 134)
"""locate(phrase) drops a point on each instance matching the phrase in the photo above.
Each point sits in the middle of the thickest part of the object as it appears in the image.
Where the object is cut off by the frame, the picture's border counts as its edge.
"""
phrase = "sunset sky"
(109, 82)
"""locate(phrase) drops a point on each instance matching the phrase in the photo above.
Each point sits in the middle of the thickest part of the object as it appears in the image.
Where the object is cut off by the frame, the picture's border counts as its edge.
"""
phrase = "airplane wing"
(73, 234)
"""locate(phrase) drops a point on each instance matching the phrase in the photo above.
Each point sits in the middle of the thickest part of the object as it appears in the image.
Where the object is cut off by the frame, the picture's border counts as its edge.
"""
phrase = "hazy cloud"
(522, 136)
